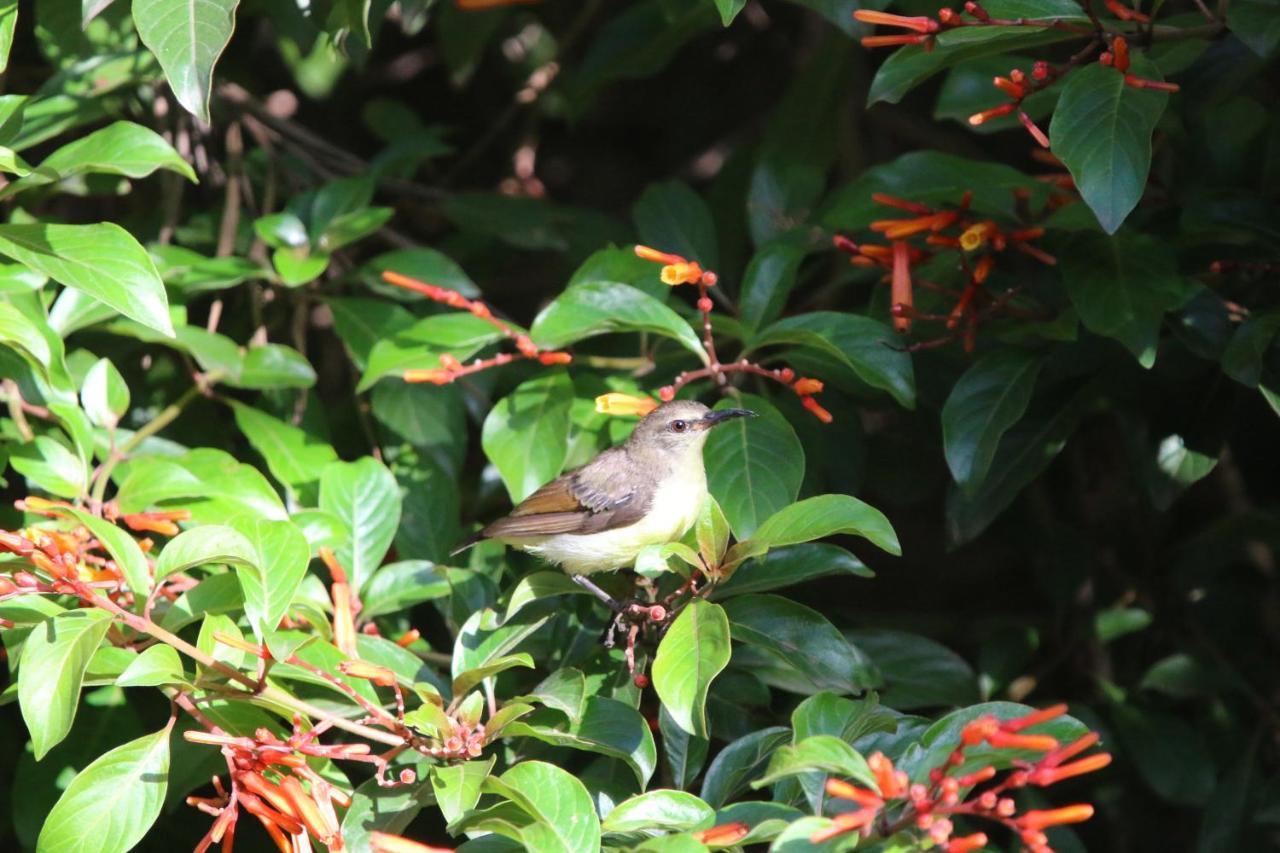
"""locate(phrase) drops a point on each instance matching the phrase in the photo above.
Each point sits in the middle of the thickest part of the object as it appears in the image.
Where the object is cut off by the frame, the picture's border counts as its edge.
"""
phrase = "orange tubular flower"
(897, 229)
(1124, 13)
(688, 272)
(843, 823)
(861, 796)
(650, 254)
(900, 291)
(385, 842)
(1044, 776)
(891, 782)
(995, 112)
(967, 844)
(724, 834)
(1035, 718)
(1042, 819)
(434, 375)
(805, 386)
(379, 675)
(625, 404)
(815, 408)
(919, 24)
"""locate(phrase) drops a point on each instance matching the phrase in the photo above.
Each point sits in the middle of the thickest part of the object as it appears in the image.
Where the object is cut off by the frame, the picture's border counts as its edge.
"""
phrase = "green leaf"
(54, 659)
(1171, 755)
(20, 334)
(564, 690)
(694, 651)
(754, 465)
(122, 547)
(102, 261)
(457, 786)
(122, 148)
(399, 586)
(668, 811)
(424, 264)
(593, 308)
(866, 347)
(608, 727)
(673, 218)
(8, 21)
(684, 753)
(361, 323)
(790, 566)
(1254, 22)
(739, 763)
(293, 456)
(377, 808)
(282, 555)
(111, 804)
(274, 366)
(729, 10)
(468, 679)
(1101, 130)
(155, 667)
(205, 545)
(768, 281)
(1122, 286)
(104, 394)
(48, 464)
(364, 495)
(918, 672)
(821, 753)
(986, 401)
(187, 38)
(816, 517)
(801, 639)
(526, 435)
(564, 818)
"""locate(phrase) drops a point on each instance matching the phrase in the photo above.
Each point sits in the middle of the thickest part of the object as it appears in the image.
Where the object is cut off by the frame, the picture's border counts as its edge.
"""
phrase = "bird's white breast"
(677, 502)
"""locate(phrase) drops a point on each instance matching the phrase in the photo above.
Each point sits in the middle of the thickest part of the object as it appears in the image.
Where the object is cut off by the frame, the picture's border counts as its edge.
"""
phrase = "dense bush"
(295, 296)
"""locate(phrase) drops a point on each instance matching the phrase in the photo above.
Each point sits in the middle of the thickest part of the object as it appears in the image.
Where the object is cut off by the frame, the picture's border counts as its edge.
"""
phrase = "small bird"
(648, 490)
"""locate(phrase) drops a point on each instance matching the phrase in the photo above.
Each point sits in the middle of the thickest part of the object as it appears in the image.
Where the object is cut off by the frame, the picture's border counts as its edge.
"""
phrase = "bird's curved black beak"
(719, 416)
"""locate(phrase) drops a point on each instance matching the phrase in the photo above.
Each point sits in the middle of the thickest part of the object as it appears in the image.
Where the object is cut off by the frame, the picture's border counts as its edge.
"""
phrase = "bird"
(649, 490)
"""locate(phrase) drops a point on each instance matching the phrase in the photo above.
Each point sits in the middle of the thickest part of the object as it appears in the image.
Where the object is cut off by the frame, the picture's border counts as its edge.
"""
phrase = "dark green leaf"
(526, 434)
(740, 763)
(187, 38)
(600, 307)
(692, 653)
(364, 495)
(754, 465)
(986, 401)
(54, 659)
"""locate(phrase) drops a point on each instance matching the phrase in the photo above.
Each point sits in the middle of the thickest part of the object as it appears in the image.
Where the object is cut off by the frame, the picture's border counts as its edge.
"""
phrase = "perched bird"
(647, 491)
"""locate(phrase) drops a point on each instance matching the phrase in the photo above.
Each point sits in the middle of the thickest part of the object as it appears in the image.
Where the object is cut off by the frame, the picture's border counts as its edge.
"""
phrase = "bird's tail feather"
(470, 541)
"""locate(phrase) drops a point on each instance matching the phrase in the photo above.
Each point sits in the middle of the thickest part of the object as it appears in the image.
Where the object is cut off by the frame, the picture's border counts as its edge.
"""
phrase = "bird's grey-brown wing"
(601, 495)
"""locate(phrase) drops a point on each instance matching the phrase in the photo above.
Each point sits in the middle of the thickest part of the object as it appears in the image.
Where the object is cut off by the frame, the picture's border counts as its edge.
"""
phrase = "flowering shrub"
(295, 296)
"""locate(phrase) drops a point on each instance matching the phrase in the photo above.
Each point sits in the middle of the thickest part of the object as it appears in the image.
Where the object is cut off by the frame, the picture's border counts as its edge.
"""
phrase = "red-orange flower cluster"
(450, 369)
(941, 230)
(931, 807)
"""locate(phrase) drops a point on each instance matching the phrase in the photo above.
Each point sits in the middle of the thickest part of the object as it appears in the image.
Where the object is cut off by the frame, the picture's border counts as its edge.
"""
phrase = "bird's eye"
(679, 426)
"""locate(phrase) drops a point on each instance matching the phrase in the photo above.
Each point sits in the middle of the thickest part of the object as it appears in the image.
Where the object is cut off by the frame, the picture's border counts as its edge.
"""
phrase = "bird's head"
(681, 426)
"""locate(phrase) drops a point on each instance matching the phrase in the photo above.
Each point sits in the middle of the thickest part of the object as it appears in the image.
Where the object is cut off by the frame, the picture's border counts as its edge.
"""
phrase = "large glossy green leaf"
(1122, 286)
(754, 465)
(740, 763)
(293, 455)
(111, 804)
(103, 261)
(54, 659)
(1101, 130)
(918, 672)
(282, 557)
(123, 148)
(8, 22)
(600, 307)
(910, 66)
(104, 394)
(361, 323)
(986, 401)
(673, 218)
(867, 347)
(790, 566)
(670, 811)
(364, 495)
(19, 333)
(49, 464)
(457, 787)
(800, 639)
(814, 518)
(683, 753)
(156, 666)
(1256, 23)
(607, 726)
(693, 652)
(187, 36)
(822, 753)
(205, 545)
(526, 435)
(564, 818)
(273, 366)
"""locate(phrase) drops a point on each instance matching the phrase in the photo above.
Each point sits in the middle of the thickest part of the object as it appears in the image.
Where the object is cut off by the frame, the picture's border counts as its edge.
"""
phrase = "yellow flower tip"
(682, 273)
(615, 403)
(973, 237)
